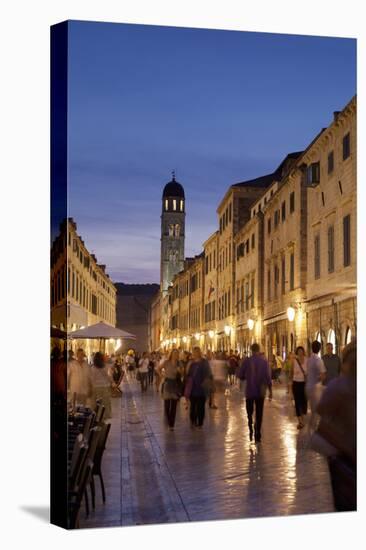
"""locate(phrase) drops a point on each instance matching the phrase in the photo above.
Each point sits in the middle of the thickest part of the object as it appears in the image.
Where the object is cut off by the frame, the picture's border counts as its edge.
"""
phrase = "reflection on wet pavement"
(214, 473)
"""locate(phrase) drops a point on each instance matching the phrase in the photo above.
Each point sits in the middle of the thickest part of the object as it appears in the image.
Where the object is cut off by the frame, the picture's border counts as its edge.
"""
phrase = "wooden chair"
(76, 496)
(77, 459)
(88, 425)
(94, 436)
(97, 460)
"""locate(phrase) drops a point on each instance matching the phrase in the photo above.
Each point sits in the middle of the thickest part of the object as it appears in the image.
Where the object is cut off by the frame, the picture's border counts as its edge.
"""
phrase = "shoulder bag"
(302, 370)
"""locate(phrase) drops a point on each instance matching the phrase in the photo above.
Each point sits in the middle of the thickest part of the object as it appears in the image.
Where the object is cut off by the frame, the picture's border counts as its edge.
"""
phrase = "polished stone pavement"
(153, 475)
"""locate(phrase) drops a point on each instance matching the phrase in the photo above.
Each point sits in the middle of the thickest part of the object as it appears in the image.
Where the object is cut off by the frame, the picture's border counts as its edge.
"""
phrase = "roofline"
(240, 185)
(210, 238)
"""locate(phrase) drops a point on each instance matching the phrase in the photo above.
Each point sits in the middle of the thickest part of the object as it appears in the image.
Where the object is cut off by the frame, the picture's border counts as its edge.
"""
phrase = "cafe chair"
(76, 496)
(97, 468)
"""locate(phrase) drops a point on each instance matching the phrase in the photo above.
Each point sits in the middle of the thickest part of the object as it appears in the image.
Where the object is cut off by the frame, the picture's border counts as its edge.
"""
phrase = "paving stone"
(153, 475)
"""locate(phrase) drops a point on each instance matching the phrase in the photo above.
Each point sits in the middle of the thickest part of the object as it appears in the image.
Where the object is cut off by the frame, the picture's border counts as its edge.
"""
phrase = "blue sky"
(217, 106)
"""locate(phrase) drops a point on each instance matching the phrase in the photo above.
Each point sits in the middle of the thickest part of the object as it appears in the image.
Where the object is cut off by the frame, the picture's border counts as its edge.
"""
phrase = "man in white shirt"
(79, 378)
(130, 363)
(315, 376)
(143, 370)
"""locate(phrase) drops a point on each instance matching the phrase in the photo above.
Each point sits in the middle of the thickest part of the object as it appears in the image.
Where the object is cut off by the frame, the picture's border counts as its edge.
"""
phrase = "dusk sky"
(218, 107)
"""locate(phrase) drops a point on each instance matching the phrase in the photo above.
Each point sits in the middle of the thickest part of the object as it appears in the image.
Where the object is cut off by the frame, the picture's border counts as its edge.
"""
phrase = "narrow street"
(153, 475)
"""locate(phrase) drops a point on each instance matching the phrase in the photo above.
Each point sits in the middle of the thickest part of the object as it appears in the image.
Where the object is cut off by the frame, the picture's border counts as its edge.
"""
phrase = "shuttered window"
(283, 275)
(283, 211)
(346, 146)
(331, 249)
(276, 280)
(292, 201)
(317, 257)
(292, 271)
(330, 162)
(347, 240)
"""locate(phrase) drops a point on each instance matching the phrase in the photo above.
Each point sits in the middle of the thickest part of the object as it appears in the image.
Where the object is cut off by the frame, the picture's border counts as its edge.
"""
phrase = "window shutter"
(347, 240)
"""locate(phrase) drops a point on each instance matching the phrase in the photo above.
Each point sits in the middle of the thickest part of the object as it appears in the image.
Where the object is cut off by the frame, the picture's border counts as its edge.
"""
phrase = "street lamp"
(211, 333)
(197, 335)
(250, 324)
(227, 330)
(290, 313)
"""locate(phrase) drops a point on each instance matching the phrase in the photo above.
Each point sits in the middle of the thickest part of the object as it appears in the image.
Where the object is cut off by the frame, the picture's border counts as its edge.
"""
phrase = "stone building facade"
(331, 287)
(249, 283)
(281, 268)
(82, 292)
(210, 291)
(284, 269)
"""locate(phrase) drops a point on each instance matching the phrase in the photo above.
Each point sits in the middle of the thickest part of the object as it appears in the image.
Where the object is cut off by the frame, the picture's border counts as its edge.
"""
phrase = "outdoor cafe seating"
(87, 437)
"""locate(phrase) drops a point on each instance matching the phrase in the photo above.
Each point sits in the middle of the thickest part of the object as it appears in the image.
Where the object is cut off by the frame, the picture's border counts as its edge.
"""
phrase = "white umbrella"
(101, 331)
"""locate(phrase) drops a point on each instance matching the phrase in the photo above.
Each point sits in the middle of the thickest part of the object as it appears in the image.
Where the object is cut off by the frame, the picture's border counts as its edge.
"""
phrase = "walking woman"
(298, 378)
(197, 387)
(157, 373)
(171, 386)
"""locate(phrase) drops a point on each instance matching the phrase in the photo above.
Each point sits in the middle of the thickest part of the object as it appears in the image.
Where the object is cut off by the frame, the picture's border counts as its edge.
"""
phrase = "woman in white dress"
(172, 386)
(298, 371)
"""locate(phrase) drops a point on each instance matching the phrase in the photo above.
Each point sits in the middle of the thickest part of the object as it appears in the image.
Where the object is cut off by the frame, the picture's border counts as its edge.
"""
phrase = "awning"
(101, 331)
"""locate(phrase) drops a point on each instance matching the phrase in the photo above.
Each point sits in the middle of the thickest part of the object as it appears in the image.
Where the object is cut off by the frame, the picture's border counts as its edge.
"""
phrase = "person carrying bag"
(197, 387)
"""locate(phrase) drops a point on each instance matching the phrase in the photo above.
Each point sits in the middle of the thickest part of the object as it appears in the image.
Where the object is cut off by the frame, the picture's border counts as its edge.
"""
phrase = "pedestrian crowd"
(325, 386)
(85, 382)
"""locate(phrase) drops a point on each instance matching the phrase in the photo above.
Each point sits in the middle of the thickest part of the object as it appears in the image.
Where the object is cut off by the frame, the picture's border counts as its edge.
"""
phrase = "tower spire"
(173, 175)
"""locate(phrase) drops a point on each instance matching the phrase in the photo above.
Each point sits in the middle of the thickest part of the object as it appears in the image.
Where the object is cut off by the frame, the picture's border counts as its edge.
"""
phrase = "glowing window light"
(250, 324)
(227, 329)
(290, 313)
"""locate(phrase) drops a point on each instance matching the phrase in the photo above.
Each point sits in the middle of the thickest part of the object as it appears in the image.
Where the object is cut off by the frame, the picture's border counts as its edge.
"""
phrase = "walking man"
(79, 378)
(332, 363)
(255, 370)
(315, 376)
(143, 370)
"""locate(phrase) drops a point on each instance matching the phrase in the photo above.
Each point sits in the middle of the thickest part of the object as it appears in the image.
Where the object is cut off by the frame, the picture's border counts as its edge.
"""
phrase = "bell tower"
(172, 233)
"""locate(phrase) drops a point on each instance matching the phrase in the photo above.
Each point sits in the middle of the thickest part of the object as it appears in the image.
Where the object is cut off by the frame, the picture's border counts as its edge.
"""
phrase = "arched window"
(171, 230)
(348, 337)
(166, 204)
(177, 230)
(332, 340)
(181, 206)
